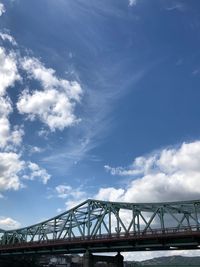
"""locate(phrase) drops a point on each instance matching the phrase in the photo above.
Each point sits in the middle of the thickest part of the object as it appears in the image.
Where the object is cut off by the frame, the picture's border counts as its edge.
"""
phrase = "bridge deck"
(170, 239)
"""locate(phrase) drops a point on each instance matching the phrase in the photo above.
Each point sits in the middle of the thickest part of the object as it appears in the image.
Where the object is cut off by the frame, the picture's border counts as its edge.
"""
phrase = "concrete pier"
(88, 259)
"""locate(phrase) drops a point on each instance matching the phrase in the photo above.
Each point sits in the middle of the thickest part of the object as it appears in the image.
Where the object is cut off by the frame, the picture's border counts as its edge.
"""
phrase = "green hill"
(174, 261)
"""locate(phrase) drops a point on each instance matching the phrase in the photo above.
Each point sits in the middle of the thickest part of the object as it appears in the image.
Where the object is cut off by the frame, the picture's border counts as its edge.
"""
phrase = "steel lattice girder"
(94, 218)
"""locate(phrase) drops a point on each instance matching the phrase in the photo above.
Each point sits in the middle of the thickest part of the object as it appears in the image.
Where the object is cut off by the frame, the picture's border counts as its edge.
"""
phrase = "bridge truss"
(102, 226)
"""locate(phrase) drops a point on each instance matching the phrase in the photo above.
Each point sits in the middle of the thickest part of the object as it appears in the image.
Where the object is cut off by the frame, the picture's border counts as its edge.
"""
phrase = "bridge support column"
(119, 259)
(87, 259)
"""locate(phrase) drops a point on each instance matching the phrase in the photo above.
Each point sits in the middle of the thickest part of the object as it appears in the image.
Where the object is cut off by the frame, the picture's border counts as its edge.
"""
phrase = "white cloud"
(74, 196)
(36, 172)
(132, 2)
(5, 106)
(95, 123)
(168, 175)
(66, 191)
(70, 203)
(16, 135)
(8, 37)
(8, 70)
(44, 133)
(47, 77)
(35, 149)
(51, 106)
(180, 6)
(2, 9)
(13, 170)
(63, 191)
(121, 171)
(54, 104)
(4, 132)
(59, 210)
(9, 138)
(171, 174)
(8, 223)
(110, 194)
(10, 168)
(141, 165)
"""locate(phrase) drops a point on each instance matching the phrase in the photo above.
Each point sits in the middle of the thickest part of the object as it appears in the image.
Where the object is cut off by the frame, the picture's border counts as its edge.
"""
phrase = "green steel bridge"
(101, 226)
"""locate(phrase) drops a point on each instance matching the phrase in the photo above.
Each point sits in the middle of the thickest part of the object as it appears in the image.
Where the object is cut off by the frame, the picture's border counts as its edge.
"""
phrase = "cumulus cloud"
(51, 106)
(54, 104)
(9, 138)
(8, 70)
(110, 194)
(13, 171)
(47, 77)
(4, 131)
(8, 223)
(168, 175)
(2, 9)
(10, 167)
(171, 174)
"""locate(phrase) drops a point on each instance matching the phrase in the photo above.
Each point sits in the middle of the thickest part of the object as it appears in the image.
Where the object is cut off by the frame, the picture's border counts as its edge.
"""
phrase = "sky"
(98, 99)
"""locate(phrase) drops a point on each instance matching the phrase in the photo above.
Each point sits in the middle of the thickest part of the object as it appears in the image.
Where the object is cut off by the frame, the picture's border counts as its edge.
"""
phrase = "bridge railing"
(113, 236)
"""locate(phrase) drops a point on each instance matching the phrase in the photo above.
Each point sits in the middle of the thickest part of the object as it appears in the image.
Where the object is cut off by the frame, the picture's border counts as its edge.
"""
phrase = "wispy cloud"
(176, 5)
(35, 149)
(196, 72)
(35, 172)
(8, 37)
(132, 2)
(96, 119)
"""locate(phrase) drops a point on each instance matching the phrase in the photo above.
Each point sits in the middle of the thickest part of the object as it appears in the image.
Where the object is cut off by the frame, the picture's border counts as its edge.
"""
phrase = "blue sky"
(98, 99)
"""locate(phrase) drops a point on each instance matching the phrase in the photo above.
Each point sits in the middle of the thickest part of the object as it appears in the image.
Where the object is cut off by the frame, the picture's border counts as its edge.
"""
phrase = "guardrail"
(153, 233)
